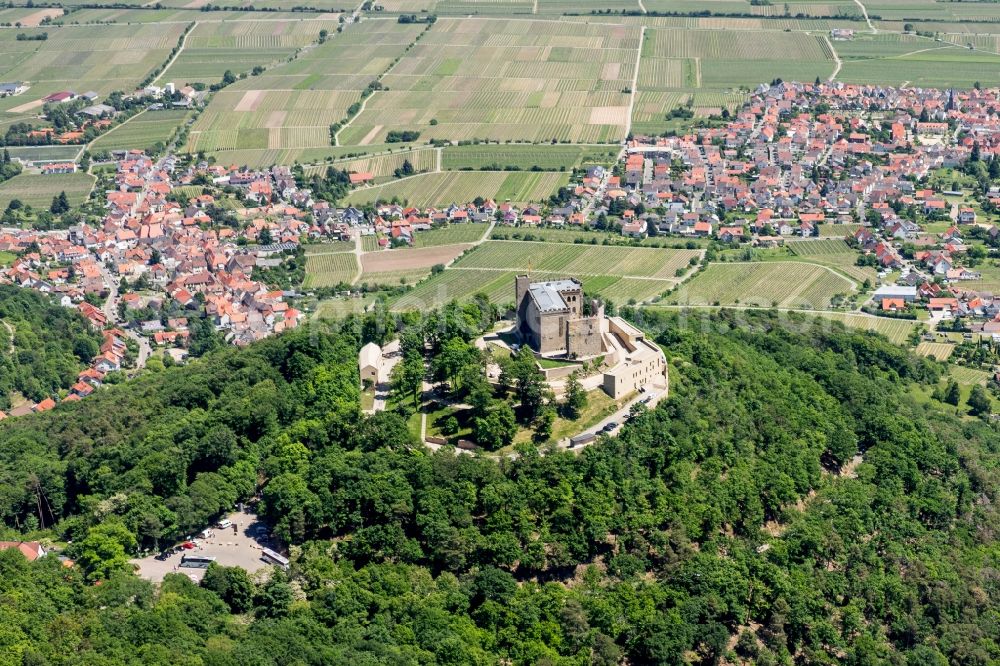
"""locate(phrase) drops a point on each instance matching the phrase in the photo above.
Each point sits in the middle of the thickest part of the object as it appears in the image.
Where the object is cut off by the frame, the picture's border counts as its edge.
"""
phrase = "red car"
(187, 545)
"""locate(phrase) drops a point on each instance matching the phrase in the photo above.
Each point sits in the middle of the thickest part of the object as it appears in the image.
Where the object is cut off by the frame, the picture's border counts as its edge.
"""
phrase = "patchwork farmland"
(704, 69)
(382, 166)
(211, 49)
(502, 80)
(498, 285)
(291, 106)
(101, 58)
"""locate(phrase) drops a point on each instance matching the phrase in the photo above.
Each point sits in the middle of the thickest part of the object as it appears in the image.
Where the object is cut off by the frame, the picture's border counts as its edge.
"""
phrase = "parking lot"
(242, 549)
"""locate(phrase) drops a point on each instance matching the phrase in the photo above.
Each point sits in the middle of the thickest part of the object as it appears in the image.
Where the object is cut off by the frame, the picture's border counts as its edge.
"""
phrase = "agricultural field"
(835, 253)
(410, 259)
(764, 284)
(819, 248)
(102, 58)
(338, 308)
(704, 69)
(507, 80)
(454, 233)
(212, 48)
(837, 230)
(968, 376)
(897, 331)
(498, 285)
(941, 351)
(384, 165)
(44, 153)
(435, 189)
(37, 190)
(525, 157)
(328, 247)
(579, 259)
(392, 278)
(286, 112)
(329, 270)
(142, 131)
(891, 59)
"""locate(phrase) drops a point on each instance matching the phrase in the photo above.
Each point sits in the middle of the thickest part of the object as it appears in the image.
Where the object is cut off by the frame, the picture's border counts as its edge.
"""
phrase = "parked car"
(610, 426)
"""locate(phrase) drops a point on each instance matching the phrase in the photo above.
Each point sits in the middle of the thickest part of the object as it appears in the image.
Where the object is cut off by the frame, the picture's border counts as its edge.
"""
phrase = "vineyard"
(819, 248)
(579, 259)
(498, 285)
(765, 284)
(141, 131)
(941, 351)
(37, 191)
(438, 189)
(455, 233)
(897, 330)
(527, 80)
(329, 270)
(525, 157)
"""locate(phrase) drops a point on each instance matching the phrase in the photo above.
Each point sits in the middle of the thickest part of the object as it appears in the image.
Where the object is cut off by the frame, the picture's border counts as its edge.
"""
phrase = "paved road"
(390, 357)
(653, 394)
(110, 309)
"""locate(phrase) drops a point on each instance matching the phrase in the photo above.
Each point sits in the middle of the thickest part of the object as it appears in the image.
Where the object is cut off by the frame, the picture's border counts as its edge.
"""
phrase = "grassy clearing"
(764, 284)
(338, 308)
(599, 406)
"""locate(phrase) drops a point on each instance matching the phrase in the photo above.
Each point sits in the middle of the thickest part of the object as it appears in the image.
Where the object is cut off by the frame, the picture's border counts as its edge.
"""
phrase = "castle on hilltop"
(553, 317)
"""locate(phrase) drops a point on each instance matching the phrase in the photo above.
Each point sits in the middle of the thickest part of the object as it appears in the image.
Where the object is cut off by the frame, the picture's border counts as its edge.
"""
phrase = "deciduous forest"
(791, 502)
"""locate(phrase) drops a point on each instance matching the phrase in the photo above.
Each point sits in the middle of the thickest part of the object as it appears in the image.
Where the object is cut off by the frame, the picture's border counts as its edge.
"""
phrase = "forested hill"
(721, 526)
(43, 346)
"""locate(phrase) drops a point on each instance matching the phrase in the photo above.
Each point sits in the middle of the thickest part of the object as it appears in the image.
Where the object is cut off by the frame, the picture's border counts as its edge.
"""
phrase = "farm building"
(369, 363)
(11, 89)
(59, 167)
(58, 97)
(892, 291)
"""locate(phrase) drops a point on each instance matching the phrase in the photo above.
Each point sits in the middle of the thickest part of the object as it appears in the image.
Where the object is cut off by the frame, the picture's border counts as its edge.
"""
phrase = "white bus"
(196, 561)
(274, 558)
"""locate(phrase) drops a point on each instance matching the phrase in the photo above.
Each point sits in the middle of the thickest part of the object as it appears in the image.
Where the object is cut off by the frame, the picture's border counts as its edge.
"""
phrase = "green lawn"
(599, 406)
(7, 258)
